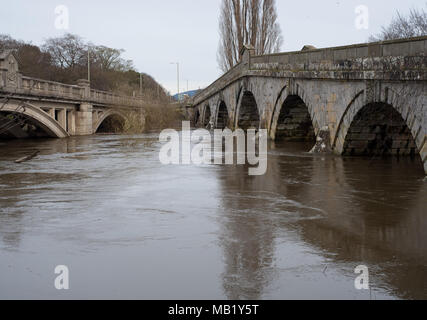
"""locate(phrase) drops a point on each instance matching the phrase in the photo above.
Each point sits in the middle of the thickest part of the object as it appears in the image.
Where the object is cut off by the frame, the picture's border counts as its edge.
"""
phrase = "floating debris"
(28, 158)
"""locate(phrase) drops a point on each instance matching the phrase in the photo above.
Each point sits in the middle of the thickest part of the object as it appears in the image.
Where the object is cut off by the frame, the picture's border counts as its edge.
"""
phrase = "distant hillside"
(183, 95)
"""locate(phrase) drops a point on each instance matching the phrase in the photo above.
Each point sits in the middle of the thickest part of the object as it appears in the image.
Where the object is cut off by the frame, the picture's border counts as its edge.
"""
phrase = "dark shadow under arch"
(378, 129)
(14, 125)
(206, 116)
(248, 115)
(113, 123)
(222, 117)
(196, 119)
(294, 122)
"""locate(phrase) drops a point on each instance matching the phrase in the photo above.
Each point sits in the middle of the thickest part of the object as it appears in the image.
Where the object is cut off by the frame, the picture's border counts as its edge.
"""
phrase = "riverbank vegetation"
(65, 59)
(412, 25)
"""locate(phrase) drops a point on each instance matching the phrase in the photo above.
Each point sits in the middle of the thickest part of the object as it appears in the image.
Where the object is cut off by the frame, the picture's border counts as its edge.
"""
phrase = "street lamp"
(177, 74)
(140, 84)
(88, 64)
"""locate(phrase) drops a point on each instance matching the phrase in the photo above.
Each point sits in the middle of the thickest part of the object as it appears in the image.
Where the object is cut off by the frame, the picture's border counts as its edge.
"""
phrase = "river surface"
(128, 227)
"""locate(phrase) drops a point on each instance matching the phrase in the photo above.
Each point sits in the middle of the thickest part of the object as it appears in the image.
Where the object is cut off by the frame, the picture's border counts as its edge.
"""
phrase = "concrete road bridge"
(370, 97)
(32, 107)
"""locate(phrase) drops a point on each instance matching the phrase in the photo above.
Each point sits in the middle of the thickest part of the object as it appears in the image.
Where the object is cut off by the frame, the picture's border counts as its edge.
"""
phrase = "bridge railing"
(49, 89)
(222, 81)
(106, 97)
(13, 83)
(33, 86)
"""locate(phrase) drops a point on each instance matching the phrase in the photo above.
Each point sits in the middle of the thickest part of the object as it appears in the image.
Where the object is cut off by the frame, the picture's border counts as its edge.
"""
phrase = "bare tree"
(252, 22)
(67, 51)
(110, 59)
(413, 25)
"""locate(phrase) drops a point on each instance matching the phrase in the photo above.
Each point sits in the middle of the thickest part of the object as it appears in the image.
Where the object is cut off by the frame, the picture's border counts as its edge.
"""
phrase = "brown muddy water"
(128, 227)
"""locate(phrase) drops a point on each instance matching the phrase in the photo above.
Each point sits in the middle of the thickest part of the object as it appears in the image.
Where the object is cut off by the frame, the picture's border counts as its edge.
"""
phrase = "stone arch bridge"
(32, 107)
(371, 98)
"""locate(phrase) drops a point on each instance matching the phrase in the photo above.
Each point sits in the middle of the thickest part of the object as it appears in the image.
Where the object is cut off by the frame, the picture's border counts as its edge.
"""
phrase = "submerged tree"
(413, 25)
(247, 22)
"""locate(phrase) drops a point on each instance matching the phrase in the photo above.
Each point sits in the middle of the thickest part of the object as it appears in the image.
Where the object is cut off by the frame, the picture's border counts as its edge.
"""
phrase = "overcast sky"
(155, 33)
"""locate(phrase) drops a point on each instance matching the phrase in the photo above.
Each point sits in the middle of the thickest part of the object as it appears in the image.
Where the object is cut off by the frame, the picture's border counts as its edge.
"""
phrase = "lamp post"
(177, 75)
(140, 84)
(88, 64)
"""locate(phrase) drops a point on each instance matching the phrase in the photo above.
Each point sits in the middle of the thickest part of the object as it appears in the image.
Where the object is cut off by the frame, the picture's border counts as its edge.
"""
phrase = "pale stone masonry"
(381, 87)
(61, 110)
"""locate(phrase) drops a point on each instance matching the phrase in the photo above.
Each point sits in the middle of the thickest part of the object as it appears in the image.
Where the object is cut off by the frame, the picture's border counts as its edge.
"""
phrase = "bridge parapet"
(397, 60)
(232, 75)
(13, 83)
(403, 59)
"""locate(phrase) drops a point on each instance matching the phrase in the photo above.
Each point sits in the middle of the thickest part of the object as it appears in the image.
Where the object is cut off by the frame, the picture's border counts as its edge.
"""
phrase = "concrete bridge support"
(84, 124)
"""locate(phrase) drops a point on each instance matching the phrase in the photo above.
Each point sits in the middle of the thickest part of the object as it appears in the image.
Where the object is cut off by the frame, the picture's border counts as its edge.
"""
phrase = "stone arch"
(37, 117)
(222, 116)
(247, 112)
(377, 129)
(412, 117)
(292, 120)
(108, 114)
(196, 117)
(352, 109)
(292, 88)
(207, 115)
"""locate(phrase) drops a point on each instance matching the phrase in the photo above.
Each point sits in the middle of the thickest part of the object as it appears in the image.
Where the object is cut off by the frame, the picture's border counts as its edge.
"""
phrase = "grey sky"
(155, 33)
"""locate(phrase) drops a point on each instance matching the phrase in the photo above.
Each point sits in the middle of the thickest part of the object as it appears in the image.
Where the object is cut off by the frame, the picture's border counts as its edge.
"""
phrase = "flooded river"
(128, 227)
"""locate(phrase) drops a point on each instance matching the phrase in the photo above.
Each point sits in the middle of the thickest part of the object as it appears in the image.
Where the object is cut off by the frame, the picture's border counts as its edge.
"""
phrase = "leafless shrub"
(413, 25)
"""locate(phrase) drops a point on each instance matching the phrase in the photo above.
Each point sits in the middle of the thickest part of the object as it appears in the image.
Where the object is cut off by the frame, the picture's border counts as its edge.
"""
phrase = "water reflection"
(276, 234)
(354, 211)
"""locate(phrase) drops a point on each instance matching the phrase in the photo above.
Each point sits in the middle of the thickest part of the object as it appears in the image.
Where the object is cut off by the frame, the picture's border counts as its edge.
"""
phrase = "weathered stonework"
(336, 87)
(59, 110)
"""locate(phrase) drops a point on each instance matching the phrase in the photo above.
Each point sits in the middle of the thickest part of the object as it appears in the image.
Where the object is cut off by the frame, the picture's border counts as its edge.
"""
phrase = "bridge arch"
(379, 129)
(247, 112)
(222, 116)
(292, 119)
(36, 117)
(410, 139)
(110, 115)
(196, 117)
(207, 115)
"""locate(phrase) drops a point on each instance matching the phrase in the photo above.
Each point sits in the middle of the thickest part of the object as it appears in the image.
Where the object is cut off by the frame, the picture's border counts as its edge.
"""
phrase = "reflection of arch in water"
(346, 209)
(250, 216)
(375, 216)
